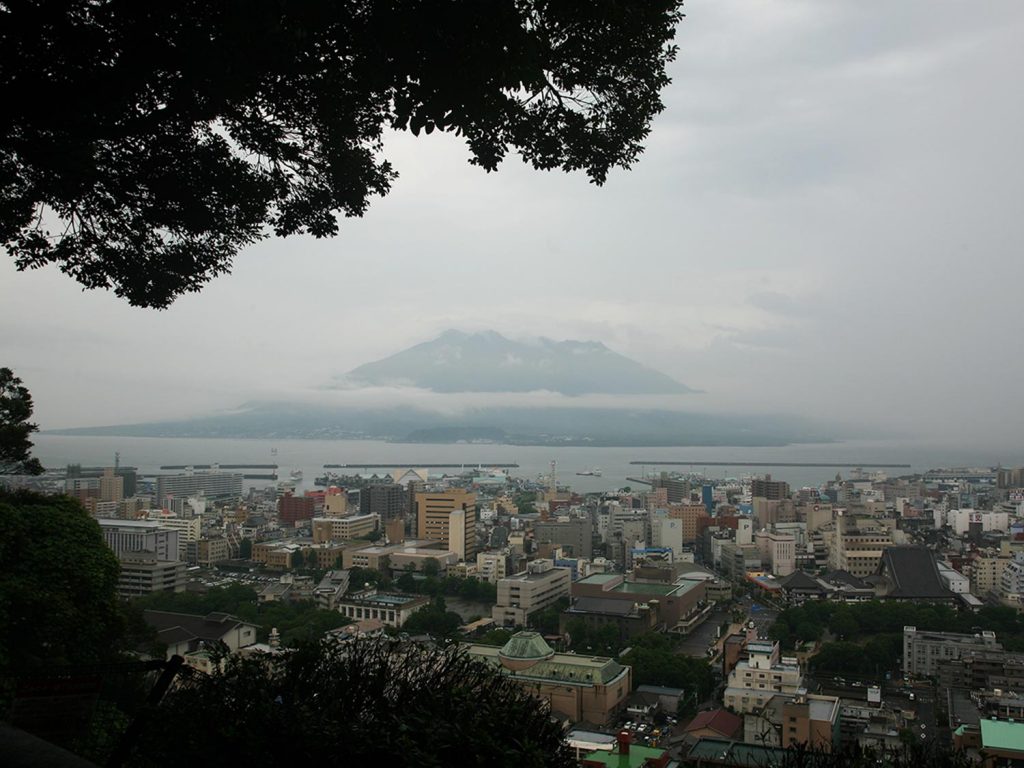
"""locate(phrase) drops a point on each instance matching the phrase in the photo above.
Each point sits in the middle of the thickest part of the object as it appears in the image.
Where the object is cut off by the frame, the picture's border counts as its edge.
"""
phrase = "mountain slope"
(522, 426)
(489, 362)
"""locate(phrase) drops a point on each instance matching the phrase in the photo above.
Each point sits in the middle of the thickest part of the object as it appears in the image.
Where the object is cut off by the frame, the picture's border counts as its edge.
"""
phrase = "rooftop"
(563, 667)
(913, 572)
(638, 756)
(1002, 734)
(600, 578)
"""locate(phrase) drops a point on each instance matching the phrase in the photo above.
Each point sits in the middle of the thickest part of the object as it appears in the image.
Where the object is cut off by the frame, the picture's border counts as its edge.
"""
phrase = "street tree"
(143, 144)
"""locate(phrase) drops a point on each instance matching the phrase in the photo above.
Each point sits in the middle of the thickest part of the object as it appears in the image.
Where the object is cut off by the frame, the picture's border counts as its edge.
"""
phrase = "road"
(697, 642)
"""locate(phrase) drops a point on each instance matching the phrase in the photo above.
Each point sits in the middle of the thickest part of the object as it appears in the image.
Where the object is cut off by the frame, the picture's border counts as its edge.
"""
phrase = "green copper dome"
(524, 649)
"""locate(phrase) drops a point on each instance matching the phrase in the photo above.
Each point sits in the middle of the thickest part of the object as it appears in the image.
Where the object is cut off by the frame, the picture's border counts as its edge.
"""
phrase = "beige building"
(690, 515)
(778, 552)
(111, 486)
(142, 573)
(335, 504)
(212, 550)
(856, 546)
(188, 528)
(343, 528)
(987, 572)
(792, 720)
(752, 683)
(577, 687)
(492, 566)
(405, 559)
(390, 608)
(448, 517)
(539, 586)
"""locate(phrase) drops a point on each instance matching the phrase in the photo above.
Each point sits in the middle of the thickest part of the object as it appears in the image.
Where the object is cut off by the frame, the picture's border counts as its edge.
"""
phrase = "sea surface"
(149, 453)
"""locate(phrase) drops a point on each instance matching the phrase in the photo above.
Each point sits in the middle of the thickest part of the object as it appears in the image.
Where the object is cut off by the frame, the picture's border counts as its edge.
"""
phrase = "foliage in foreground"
(58, 584)
(366, 702)
(142, 145)
(15, 428)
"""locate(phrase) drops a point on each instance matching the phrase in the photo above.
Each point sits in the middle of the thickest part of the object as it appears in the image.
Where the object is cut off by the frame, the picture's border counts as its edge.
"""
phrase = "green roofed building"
(591, 688)
(627, 755)
(998, 742)
(671, 605)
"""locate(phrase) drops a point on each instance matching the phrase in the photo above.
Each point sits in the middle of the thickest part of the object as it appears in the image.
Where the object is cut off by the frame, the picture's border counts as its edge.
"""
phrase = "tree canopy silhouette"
(58, 584)
(366, 702)
(15, 428)
(143, 144)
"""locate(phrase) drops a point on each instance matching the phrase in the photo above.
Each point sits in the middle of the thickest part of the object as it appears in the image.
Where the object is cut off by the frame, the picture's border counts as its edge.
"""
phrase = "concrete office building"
(778, 552)
(575, 536)
(766, 488)
(111, 486)
(448, 517)
(343, 528)
(753, 682)
(677, 490)
(923, 652)
(491, 566)
(129, 536)
(212, 485)
(293, 510)
(387, 500)
(390, 608)
(189, 529)
(143, 573)
(692, 517)
(792, 720)
(534, 589)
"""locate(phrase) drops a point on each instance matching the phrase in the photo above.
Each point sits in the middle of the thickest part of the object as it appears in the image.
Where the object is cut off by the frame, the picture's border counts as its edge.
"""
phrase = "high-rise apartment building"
(295, 509)
(766, 488)
(678, 490)
(450, 518)
(388, 500)
(575, 535)
(212, 485)
(691, 516)
(111, 486)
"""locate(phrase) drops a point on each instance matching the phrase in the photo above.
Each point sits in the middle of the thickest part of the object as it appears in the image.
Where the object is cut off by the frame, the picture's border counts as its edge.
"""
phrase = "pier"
(838, 465)
(406, 464)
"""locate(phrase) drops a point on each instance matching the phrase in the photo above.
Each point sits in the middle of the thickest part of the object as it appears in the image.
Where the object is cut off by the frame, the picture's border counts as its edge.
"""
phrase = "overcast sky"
(827, 221)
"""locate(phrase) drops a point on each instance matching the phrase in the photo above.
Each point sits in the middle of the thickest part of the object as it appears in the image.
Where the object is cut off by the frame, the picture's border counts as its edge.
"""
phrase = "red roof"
(717, 720)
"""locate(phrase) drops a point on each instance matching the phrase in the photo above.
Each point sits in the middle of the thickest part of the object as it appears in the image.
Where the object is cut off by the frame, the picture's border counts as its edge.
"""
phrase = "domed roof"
(524, 649)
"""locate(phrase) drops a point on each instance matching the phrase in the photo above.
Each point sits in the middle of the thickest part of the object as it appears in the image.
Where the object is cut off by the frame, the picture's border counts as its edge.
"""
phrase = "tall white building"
(668, 532)
(754, 681)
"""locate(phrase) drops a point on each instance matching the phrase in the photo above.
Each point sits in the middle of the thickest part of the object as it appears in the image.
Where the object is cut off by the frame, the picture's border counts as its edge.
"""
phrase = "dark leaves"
(142, 146)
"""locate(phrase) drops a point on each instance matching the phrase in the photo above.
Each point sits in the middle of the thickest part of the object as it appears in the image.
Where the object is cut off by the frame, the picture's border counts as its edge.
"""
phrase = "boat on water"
(595, 472)
(328, 478)
(296, 474)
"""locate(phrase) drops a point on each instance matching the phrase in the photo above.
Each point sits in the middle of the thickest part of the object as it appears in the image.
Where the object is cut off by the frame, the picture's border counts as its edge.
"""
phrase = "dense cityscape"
(710, 621)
